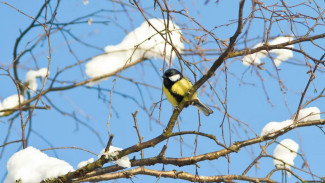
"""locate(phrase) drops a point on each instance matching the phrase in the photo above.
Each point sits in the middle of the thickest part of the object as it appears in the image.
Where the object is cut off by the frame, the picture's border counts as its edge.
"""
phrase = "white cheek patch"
(175, 77)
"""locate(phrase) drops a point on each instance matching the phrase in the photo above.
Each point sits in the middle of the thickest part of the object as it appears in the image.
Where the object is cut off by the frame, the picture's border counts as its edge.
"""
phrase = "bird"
(176, 86)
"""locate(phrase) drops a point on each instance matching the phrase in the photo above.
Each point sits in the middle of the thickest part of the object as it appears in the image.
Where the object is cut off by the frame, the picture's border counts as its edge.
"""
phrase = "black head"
(172, 75)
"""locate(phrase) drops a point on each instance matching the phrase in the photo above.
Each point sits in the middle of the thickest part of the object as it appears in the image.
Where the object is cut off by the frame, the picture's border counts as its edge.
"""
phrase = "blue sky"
(246, 99)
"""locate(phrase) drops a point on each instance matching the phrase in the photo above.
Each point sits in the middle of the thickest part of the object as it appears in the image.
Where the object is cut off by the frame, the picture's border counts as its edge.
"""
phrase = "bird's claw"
(176, 108)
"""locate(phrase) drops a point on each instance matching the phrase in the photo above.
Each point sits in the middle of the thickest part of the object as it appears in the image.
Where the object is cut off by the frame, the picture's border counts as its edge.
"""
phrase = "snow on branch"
(123, 162)
(84, 163)
(285, 153)
(308, 114)
(10, 102)
(275, 126)
(281, 54)
(30, 165)
(143, 42)
(30, 78)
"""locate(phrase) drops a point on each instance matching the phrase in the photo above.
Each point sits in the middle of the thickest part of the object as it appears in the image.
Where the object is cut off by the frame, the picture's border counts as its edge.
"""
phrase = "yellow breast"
(179, 88)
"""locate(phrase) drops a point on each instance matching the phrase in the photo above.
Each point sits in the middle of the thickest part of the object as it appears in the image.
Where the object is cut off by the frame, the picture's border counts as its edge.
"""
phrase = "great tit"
(176, 87)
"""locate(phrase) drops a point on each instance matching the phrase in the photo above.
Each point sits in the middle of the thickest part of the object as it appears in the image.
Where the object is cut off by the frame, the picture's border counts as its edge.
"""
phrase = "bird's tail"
(203, 108)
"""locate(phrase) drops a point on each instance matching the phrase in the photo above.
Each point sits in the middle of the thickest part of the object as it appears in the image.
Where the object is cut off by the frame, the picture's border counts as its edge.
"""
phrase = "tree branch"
(175, 175)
